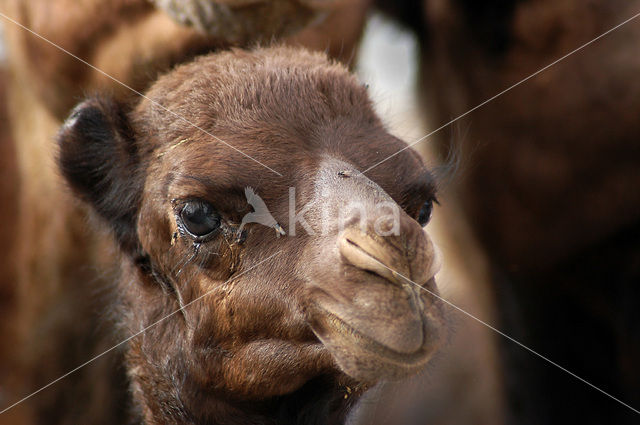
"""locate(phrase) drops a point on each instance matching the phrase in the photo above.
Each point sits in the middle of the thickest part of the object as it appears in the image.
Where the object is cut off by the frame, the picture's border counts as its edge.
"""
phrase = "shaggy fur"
(59, 264)
(295, 340)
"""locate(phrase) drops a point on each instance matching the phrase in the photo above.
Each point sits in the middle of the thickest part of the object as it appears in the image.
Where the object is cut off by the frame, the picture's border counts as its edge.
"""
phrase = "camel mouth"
(370, 356)
(371, 345)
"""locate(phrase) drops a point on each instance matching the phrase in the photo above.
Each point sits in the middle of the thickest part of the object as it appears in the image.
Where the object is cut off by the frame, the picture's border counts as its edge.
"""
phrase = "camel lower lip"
(371, 345)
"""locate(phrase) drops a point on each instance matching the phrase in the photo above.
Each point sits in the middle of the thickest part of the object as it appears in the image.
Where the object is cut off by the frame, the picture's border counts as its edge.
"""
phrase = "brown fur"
(243, 21)
(53, 235)
(550, 187)
(262, 346)
(134, 42)
(9, 186)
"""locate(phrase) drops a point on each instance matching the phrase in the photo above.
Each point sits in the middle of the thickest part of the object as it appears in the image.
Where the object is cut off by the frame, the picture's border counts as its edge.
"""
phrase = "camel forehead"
(258, 76)
(272, 70)
(281, 90)
(208, 161)
(279, 108)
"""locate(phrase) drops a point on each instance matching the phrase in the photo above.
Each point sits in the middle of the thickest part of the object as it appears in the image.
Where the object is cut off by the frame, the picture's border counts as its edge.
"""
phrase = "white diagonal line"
(509, 338)
(134, 335)
(506, 90)
(135, 91)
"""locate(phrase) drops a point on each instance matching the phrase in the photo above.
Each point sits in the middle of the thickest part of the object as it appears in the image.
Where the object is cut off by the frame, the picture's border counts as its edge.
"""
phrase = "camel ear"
(99, 159)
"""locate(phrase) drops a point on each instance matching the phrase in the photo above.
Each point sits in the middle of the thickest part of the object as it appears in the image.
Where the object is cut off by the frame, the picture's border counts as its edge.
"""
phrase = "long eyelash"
(201, 263)
(207, 254)
(173, 288)
(195, 253)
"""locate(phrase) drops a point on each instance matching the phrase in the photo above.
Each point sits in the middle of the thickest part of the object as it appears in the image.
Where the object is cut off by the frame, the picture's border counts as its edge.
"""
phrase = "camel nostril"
(365, 253)
(388, 258)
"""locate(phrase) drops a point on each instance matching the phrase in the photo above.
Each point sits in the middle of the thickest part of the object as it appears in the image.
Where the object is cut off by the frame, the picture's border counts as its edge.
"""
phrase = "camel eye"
(199, 218)
(425, 213)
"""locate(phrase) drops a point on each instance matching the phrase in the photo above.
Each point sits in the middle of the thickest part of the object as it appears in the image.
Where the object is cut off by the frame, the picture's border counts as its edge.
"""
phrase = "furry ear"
(99, 159)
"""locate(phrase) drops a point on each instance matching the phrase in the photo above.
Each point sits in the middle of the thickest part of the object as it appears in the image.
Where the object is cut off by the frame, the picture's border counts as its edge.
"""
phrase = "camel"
(135, 43)
(51, 254)
(257, 329)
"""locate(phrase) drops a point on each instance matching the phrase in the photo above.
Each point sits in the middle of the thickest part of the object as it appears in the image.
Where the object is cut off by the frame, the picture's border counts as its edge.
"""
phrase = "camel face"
(338, 291)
